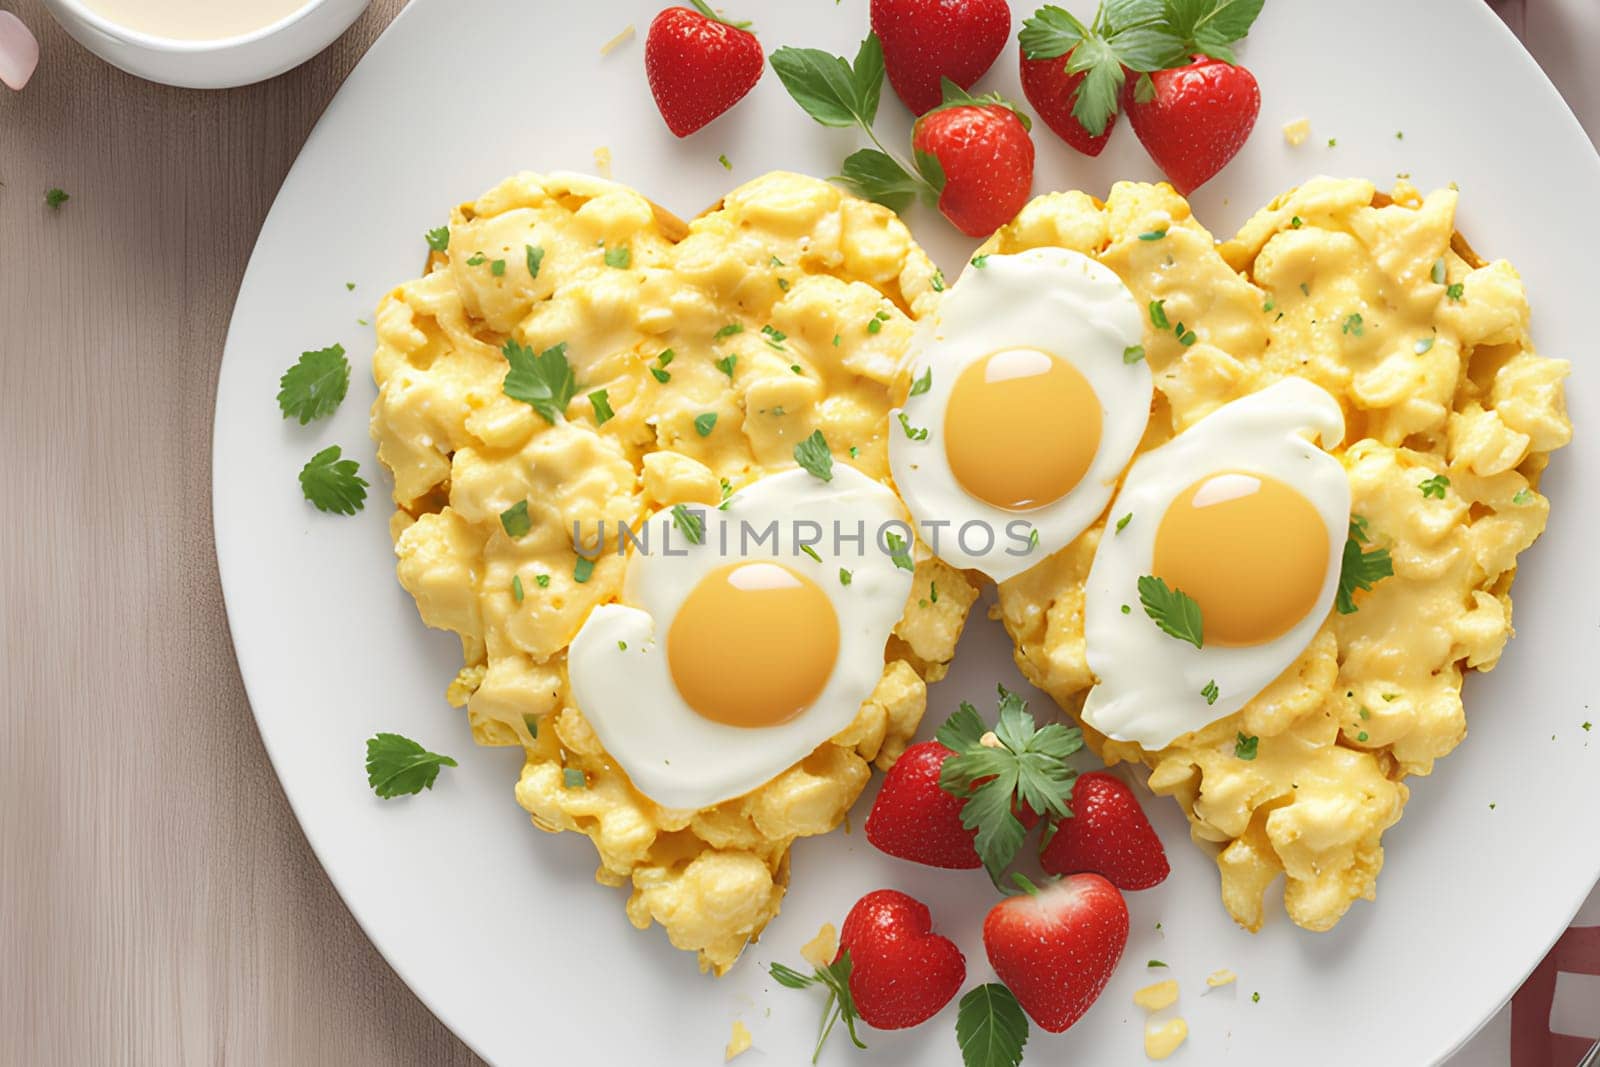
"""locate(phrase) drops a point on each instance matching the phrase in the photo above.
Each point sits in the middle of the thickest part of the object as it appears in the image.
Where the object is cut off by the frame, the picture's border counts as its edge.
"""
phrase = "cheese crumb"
(1297, 131)
(602, 161)
(739, 1042)
(1158, 996)
(1218, 979)
(820, 950)
(618, 41)
(1162, 1039)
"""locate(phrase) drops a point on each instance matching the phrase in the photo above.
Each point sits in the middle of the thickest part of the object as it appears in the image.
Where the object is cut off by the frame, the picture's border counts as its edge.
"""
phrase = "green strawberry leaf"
(991, 1028)
(1050, 32)
(952, 95)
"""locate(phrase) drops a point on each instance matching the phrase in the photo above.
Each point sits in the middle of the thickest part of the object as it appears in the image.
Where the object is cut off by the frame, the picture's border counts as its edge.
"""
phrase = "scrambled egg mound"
(1375, 299)
(815, 293)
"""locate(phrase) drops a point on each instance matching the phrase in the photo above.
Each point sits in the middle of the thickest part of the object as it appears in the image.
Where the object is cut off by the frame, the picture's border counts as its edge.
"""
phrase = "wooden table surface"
(158, 902)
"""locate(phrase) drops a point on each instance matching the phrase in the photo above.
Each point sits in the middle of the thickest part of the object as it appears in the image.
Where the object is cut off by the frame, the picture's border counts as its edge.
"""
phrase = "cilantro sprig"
(835, 978)
(1018, 764)
(544, 381)
(814, 456)
(315, 385)
(1360, 568)
(1132, 35)
(1175, 611)
(990, 1027)
(398, 766)
(332, 483)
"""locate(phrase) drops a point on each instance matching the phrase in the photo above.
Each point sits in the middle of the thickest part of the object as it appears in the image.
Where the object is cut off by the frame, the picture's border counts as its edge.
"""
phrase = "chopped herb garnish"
(1268, 306)
(1154, 963)
(1033, 538)
(531, 721)
(315, 385)
(1122, 523)
(1362, 736)
(1245, 747)
(1434, 487)
(573, 778)
(774, 262)
(516, 588)
(398, 766)
(1152, 235)
(583, 569)
(796, 368)
(543, 580)
(1423, 345)
(1173, 610)
(808, 550)
(981, 261)
(438, 238)
(899, 551)
(812, 454)
(845, 577)
(515, 520)
(1210, 692)
(660, 375)
(476, 258)
(1360, 569)
(534, 255)
(875, 325)
(922, 383)
(728, 331)
(544, 381)
(783, 285)
(497, 268)
(1523, 496)
(938, 281)
(1185, 337)
(602, 407)
(1133, 354)
(723, 159)
(774, 337)
(1353, 325)
(1305, 288)
(1296, 222)
(350, 286)
(1455, 292)
(727, 494)
(915, 433)
(854, 451)
(1437, 274)
(726, 365)
(1158, 315)
(621, 258)
(692, 524)
(333, 484)
(1127, 609)
(1255, 998)
(704, 424)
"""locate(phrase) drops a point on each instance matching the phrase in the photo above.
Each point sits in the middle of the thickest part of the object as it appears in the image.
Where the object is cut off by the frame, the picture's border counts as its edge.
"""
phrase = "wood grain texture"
(158, 902)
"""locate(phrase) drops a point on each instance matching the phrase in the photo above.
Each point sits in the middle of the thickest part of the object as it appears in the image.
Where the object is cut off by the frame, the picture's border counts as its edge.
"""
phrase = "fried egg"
(1247, 518)
(1029, 393)
(746, 636)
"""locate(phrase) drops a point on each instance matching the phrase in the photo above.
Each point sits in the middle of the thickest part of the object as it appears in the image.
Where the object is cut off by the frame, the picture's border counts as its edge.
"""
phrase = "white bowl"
(217, 64)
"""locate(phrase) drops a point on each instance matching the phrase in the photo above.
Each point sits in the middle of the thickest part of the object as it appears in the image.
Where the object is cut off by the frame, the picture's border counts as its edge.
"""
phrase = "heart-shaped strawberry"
(1198, 119)
(1108, 834)
(914, 819)
(1055, 948)
(901, 972)
(699, 65)
(1053, 91)
(926, 40)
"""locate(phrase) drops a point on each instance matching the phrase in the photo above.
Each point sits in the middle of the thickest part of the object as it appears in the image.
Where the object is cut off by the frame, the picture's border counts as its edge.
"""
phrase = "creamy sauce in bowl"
(195, 20)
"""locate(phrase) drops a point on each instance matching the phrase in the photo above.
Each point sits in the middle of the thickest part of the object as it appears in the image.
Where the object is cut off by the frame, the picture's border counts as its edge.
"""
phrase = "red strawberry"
(901, 972)
(913, 819)
(1051, 90)
(1199, 118)
(1056, 947)
(926, 40)
(1107, 834)
(698, 65)
(987, 158)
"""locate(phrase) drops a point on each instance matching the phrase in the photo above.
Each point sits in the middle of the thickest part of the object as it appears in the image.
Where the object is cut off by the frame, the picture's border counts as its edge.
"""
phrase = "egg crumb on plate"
(673, 364)
(1161, 1039)
(1218, 979)
(1296, 131)
(820, 950)
(1376, 300)
(738, 1042)
(1157, 996)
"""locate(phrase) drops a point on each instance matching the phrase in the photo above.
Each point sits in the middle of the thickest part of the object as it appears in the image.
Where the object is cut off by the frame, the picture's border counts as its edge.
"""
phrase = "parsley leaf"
(692, 524)
(813, 455)
(1245, 747)
(1360, 569)
(1027, 767)
(333, 484)
(544, 381)
(923, 383)
(704, 424)
(398, 766)
(1133, 34)
(990, 1027)
(602, 407)
(899, 552)
(315, 385)
(534, 255)
(1434, 487)
(879, 177)
(438, 238)
(1173, 610)
(55, 198)
(835, 978)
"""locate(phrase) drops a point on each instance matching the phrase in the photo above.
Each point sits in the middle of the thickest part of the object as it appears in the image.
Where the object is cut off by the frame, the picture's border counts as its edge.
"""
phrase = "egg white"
(677, 757)
(1149, 683)
(1055, 300)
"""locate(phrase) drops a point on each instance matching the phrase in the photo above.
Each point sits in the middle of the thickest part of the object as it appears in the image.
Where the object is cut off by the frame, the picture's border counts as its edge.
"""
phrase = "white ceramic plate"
(501, 929)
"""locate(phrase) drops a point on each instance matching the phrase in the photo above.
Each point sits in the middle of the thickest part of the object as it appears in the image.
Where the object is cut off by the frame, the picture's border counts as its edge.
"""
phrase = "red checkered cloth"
(1534, 1043)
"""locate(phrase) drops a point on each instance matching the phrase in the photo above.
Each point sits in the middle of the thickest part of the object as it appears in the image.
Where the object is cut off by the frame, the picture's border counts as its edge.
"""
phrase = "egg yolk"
(1251, 551)
(753, 644)
(1021, 428)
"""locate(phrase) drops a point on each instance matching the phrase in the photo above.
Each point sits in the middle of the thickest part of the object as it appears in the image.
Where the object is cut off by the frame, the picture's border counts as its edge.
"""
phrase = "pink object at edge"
(19, 51)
